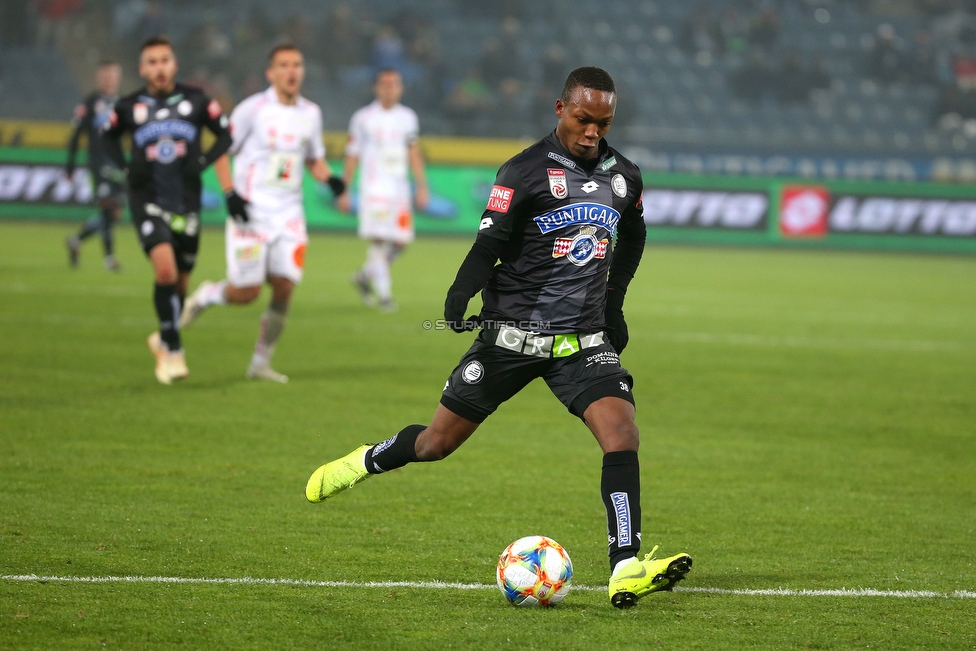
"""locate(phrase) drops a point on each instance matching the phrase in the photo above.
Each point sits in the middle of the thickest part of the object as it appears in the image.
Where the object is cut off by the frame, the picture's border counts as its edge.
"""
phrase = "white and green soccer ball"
(534, 571)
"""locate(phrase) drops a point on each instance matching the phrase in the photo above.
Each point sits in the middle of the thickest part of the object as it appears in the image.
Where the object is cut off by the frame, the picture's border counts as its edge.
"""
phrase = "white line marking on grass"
(444, 585)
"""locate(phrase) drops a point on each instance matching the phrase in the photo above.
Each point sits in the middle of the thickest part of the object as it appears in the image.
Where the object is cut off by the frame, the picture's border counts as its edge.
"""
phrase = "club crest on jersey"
(140, 112)
(619, 185)
(557, 183)
(580, 249)
(166, 150)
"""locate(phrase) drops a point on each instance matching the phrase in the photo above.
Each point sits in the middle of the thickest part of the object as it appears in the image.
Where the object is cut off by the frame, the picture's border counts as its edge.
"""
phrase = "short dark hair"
(587, 77)
(282, 47)
(153, 41)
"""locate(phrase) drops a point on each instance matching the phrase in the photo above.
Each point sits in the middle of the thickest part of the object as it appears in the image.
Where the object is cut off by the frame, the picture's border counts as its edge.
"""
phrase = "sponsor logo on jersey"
(577, 214)
(590, 186)
(140, 113)
(473, 372)
(803, 211)
(162, 114)
(557, 183)
(500, 198)
(704, 209)
(619, 185)
(608, 163)
(173, 99)
(214, 110)
(166, 150)
(486, 223)
(580, 249)
(563, 160)
(174, 129)
(621, 509)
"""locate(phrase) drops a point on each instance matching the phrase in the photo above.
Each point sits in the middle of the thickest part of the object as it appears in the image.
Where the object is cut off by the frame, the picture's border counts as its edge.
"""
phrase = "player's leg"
(272, 325)
(485, 377)
(165, 344)
(90, 226)
(110, 213)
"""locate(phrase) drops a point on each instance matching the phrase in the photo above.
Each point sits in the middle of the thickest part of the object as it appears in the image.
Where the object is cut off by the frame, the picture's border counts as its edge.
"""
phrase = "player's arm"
(627, 254)
(315, 161)
(506, 202)
(219, 125)
(111, 135)
(81, 122)
(422, 195)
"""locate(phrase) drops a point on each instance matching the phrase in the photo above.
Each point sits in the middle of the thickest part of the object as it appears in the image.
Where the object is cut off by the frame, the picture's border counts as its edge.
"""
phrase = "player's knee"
(166, 274)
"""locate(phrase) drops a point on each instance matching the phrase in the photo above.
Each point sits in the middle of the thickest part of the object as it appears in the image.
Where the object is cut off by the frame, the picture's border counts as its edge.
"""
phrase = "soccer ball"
(534, 571)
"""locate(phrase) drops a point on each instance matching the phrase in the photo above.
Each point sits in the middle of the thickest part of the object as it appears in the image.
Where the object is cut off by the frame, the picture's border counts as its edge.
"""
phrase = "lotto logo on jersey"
(500, 199)
(803, 211)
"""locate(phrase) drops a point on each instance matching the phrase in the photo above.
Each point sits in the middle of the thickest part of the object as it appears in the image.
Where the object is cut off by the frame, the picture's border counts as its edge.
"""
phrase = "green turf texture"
(807, 421)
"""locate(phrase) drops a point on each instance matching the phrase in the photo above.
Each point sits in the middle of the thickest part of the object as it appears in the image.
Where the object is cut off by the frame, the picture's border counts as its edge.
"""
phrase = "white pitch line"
(444, 585)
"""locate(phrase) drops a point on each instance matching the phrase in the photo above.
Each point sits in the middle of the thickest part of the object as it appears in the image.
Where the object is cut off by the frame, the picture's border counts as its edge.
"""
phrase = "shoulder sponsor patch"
(558, 185)
(214, 110)
(500, 199)
(608, 163)
(562, 160)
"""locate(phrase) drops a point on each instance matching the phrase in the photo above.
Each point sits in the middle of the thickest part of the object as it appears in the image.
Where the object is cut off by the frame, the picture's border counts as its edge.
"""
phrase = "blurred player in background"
(166, 120)
(108, 181)
(552, 308)
(382, 145)
(277, 133)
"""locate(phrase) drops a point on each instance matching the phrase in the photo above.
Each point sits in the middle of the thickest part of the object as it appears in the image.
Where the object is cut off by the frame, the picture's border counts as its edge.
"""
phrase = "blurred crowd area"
(882, 76)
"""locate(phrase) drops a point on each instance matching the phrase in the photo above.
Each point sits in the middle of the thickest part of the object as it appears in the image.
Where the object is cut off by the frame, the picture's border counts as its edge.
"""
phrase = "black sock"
(620, 487)
(91, 226)
(106, 228)
(394, 452)
(168, 306)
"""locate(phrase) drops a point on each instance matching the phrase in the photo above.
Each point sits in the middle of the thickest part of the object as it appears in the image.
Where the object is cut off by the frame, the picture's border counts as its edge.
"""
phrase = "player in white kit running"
(382, 146)
(277, 134)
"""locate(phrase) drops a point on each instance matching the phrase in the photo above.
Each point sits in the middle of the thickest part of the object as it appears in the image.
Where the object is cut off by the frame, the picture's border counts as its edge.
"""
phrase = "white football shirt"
(381, 139)
(272, 142)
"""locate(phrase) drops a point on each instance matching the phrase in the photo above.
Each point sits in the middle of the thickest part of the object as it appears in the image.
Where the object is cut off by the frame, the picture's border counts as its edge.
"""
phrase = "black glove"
(616, 326)
(454, 309)
(236, 207)
(336, 184)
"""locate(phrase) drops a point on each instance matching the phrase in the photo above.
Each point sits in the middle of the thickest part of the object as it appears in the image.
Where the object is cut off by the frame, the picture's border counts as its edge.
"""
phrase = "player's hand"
(617, 331)
(454, 309)
(337, 185)
(236, 207)
(113, 174)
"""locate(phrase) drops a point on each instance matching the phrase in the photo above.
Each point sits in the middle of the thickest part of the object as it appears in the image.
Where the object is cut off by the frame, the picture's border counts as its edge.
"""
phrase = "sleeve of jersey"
(111, 135)
(218, 123)
(80, 123)
(316, 148)
(355, 144)
(241, 120)
(631, 236)
(506, 201)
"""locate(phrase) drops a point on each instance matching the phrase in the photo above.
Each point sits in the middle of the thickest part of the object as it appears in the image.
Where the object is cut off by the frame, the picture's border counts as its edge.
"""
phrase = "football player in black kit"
(166, 119)
(552, 308)
(108, 181)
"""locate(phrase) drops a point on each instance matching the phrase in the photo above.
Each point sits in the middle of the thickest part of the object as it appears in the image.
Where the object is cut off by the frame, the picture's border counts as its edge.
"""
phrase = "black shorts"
(155, 226)
(489, 374)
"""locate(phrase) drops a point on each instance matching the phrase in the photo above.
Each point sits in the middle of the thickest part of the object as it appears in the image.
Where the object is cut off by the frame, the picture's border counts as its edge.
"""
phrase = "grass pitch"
(808, 422)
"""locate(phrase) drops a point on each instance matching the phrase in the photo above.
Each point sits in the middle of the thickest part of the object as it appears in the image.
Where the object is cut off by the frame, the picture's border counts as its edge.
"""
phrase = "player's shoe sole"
(265, 373)
(640, 578)
(336, 476)
(194, 307)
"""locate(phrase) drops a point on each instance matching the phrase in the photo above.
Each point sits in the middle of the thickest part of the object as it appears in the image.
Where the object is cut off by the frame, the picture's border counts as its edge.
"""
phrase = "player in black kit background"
(166, 120)
(552, 308)
(107, 180)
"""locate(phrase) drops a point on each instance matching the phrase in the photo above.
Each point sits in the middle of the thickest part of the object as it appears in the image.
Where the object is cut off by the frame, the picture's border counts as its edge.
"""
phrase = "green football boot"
(336, 476)
(639, 578)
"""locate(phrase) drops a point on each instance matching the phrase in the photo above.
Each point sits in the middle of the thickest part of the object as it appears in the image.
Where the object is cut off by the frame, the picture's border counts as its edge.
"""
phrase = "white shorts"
(257, 249)
(386, 218)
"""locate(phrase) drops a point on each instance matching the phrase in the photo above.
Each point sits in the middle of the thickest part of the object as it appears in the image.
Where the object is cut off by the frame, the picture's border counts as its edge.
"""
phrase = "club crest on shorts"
(558, 185)
(619, 185)
(580, 249)
(473, 372)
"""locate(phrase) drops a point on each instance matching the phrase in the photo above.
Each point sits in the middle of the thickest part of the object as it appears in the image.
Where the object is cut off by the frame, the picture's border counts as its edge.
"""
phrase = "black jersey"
(90, 118)
(167, 160)
(558, 215)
